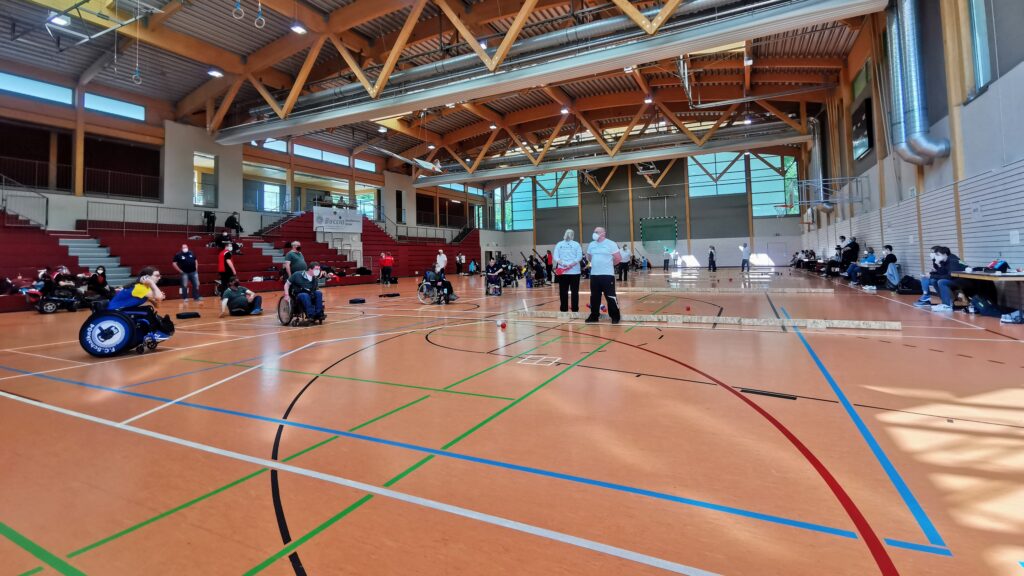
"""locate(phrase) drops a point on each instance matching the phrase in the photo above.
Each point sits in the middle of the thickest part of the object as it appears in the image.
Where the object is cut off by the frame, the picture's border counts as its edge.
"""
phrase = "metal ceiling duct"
(916, 112)
(603, 161)
(816, 169)
(896, 120)
(646, 142)
(573, 63)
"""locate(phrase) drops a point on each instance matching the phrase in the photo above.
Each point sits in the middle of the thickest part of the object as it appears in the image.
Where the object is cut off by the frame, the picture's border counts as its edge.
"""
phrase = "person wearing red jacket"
(387, 262)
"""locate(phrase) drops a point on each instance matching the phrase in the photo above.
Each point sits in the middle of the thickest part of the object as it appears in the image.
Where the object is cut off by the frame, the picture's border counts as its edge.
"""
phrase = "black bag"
(357, 301)
(186, 315)
(985, 307)
(908, 285)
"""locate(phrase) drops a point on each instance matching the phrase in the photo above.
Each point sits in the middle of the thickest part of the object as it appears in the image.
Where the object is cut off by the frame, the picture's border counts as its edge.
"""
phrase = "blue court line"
(246, 360)
(894, 476)
(919, 547)
(465, 457)
(488, 462)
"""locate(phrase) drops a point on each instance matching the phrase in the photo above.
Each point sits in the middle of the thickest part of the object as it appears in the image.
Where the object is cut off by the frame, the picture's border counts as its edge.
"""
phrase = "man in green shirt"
(308, 296)
(294, 261)
(240, 301)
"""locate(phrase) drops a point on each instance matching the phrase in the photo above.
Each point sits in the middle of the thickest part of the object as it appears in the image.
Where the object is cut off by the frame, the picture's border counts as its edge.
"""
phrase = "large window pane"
(115, 107)
(979, 43)
(34, 88)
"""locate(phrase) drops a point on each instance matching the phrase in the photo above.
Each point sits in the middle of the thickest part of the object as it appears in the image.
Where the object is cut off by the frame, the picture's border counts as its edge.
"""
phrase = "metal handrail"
(22, 191)
(152, 218)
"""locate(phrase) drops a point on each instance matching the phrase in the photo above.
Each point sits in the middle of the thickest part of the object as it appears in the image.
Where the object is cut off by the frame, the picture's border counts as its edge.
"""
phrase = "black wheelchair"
(290, 312)
(108, 332)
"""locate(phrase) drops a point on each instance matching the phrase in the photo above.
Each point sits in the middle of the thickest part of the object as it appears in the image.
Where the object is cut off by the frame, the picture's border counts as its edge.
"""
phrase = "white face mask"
(595, 236)
(185, 250)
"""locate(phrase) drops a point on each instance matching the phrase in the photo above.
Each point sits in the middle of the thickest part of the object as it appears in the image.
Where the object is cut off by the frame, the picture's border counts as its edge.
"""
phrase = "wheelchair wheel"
(48, 307)
(426, 294)
(107, 333)
(284, 312)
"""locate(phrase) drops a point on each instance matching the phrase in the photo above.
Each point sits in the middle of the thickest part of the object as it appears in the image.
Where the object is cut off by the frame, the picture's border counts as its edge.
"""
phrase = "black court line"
(275, 487)
(772, 304)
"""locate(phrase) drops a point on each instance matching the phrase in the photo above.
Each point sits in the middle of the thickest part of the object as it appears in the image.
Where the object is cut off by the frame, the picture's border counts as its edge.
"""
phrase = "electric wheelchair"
(111, 331)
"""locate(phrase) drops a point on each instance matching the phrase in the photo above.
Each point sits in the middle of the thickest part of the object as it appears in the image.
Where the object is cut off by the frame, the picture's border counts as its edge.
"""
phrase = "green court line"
(667, 304)
(359, 503)
(216, 491)
(364, 380)
(489, 368)
(38, 551)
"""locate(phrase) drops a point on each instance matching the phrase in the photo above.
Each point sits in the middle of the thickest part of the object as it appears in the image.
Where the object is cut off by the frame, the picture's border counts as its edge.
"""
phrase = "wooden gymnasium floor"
(547, 448)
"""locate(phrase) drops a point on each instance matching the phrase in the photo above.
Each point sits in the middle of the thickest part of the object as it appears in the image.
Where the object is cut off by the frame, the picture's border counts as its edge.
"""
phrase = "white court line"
(211, 386)
(47, 357)
(215, 343)
(553, 535)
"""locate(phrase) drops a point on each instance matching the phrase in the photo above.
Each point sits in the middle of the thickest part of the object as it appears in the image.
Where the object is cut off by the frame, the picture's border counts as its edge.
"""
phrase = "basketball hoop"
(782, 210)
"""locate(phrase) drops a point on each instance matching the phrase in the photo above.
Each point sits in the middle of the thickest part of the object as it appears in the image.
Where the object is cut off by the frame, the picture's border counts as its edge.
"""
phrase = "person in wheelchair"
(238, 300)
(144, 295)
(494, 279)
(443, 285)
(303, 287)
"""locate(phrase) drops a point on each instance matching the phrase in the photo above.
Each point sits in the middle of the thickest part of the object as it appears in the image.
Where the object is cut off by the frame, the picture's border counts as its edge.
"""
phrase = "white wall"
(181, 141)
(404, 182)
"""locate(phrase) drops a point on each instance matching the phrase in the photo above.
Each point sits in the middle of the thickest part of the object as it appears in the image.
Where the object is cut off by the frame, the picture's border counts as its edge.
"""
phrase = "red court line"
(874, 544)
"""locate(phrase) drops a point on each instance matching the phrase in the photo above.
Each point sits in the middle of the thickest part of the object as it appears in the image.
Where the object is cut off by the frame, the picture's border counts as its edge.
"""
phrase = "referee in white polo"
(604, 256)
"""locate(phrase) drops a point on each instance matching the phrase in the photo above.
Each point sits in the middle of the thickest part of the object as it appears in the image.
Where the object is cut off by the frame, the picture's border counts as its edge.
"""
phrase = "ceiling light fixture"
(431, 147)
(493, 127)
(628, 69)
(450, 105)
(215, 72)
(58, 19)
(382, 129)
(483, 45)
(747, 120)
(298, 28)
(565, 109)
(748, 61)
(648, 99)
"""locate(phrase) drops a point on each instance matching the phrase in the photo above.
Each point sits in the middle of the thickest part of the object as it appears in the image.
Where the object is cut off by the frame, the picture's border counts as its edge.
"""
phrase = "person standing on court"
(624, 265)
(567, 257)
(745, 262)
(294, 261)
(666, 256)
(604, 256)
(442, 260)
(460, 259)
(186, 264)
(386, 263)
(226, 268)
(712, 265)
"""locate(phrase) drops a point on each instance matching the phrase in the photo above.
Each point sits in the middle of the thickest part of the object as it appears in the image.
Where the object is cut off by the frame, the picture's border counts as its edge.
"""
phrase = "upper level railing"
(156, 219)
(22, 206)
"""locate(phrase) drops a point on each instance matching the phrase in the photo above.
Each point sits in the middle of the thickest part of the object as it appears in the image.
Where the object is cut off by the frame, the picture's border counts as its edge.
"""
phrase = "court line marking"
(47, 357)
(136, 357)
(49, 558)
(484, 461)
(499, 521)
(919, 547)
(920, 516)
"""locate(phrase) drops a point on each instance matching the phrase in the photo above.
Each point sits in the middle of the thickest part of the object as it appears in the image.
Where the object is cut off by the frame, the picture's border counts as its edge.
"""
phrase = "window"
(717, 174)
(36, 89)
(455, 187)
(271, 198)
(333, 158)
(366, 199)
(773, 184)
(204, 180)
(473, 190)
(363, 165)
(323, 156)
(557, 189)
(276, 145)
(115, 107)
(519, 208)
(979, 43)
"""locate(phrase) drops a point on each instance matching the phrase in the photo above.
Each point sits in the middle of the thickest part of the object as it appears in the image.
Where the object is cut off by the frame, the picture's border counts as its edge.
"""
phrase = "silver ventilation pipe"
(445, 69)
(896, 121)
(816, 170)
(921, 142)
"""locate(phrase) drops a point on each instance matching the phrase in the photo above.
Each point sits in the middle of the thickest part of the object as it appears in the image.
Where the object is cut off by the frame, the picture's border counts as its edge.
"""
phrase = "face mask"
(595, 236)
(298, 248)
(185, 250)
(316, 272)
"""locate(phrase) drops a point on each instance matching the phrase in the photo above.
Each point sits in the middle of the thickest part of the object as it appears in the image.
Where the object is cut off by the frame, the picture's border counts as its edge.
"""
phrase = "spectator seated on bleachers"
(871, 277)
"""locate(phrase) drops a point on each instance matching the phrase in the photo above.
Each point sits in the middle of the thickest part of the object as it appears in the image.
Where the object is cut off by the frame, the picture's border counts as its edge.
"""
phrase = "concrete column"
(78, 163)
